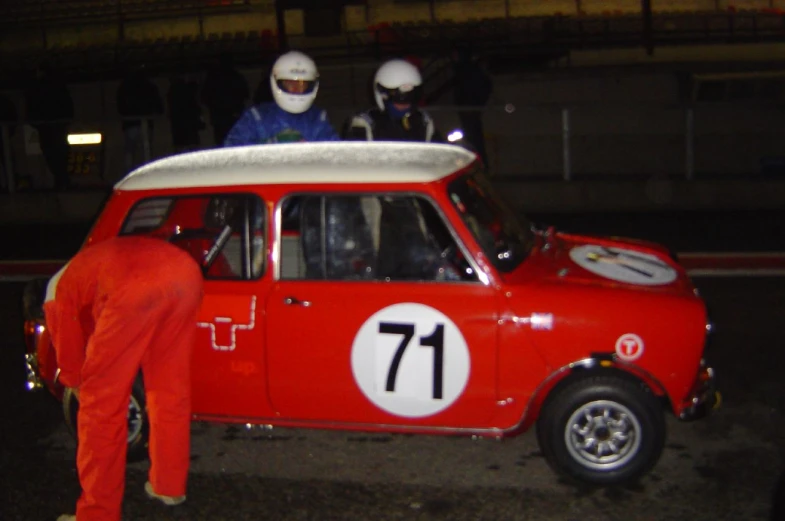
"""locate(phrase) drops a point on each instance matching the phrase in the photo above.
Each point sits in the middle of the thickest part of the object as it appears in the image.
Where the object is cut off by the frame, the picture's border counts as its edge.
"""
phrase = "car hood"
(578, 296)
(603, 261)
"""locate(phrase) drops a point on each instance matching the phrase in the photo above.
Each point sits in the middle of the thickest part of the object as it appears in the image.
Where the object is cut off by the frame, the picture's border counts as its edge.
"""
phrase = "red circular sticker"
(629, 347)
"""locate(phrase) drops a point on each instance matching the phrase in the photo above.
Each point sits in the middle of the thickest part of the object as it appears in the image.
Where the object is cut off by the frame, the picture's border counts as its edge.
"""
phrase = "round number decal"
(410, 360)
(630, 266)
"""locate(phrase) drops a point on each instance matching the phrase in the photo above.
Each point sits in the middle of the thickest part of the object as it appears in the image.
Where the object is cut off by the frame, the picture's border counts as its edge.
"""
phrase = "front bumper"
(34, 381)
(705, 396)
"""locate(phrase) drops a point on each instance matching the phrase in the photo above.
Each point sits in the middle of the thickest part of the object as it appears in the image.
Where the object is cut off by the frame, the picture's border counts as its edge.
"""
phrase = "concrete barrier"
(50, 207)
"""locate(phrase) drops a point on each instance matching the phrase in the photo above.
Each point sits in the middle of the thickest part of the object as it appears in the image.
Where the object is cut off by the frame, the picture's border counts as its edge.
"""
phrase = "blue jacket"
(268, 123)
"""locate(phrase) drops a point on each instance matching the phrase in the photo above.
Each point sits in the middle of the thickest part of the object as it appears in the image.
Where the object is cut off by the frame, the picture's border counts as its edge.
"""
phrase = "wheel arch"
(593, 366)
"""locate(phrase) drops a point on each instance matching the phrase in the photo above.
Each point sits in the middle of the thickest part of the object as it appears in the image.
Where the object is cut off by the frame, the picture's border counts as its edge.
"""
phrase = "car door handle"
(294, 301)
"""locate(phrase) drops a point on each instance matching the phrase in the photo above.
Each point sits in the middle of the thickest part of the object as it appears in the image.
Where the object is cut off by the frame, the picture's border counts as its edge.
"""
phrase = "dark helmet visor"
(297, 86)
(398, 96)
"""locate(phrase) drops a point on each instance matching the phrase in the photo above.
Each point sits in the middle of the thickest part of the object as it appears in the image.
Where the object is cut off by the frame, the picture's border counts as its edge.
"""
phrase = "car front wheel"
(137, 420)
(604, 430)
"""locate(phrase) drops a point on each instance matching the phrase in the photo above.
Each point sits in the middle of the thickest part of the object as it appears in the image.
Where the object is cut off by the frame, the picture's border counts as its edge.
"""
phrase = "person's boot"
(166, 500)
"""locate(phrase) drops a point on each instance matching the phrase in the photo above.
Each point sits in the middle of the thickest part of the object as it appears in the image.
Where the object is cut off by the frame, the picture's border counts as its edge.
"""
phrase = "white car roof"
(299, 163)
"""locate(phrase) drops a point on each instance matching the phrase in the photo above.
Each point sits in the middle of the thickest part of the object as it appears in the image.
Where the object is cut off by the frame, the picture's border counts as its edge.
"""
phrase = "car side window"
(375, 237)
(224, 233)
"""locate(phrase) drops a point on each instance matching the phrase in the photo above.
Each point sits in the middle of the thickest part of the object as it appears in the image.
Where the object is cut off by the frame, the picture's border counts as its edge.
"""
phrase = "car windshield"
(505, 238)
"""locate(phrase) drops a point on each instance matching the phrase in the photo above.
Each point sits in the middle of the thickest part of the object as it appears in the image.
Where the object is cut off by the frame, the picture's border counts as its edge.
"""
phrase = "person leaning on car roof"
(121, 305)
(294, 81)
(397, 90)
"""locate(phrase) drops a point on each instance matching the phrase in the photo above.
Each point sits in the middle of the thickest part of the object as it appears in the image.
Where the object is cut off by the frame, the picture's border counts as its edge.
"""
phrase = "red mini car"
(386, 287)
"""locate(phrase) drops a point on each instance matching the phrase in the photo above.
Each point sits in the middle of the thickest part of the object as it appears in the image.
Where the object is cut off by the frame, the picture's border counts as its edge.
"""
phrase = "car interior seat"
(336, 240)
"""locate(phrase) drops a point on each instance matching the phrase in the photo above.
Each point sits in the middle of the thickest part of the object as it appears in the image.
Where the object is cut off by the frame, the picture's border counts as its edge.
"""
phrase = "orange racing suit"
(121, 305)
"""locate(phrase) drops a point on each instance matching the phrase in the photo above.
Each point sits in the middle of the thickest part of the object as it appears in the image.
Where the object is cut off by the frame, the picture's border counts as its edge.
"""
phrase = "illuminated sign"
(84, 139)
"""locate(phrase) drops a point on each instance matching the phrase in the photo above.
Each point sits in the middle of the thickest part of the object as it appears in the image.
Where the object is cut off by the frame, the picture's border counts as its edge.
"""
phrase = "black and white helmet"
(397, 81)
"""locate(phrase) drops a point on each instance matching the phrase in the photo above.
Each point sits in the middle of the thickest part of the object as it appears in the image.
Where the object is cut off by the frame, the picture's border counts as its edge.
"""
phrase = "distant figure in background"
(225, 93)
(49, 110)
(397, 90)
(473, 88)
(138, 101)
(294, 82)
(8, 120)
(185, 114)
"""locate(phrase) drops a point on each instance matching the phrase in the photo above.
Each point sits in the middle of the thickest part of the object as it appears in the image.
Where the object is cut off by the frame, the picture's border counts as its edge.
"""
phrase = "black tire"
(138, 424)
(625, 416)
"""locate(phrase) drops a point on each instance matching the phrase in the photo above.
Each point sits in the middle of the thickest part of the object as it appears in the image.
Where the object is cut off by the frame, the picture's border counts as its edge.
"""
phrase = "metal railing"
(15, 168)
(556, 142)
(54, 13)
(597, 141)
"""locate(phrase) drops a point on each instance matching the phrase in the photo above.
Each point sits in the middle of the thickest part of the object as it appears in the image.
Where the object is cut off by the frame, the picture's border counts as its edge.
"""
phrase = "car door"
(378, 326)
(225, 234)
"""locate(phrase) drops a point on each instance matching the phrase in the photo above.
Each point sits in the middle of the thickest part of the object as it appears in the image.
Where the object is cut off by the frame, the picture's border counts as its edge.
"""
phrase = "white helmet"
(397, 81)
(294, 81)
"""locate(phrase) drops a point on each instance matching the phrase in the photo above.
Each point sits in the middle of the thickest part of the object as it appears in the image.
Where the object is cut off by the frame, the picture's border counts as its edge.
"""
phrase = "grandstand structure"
(95, 38)
(702, 102)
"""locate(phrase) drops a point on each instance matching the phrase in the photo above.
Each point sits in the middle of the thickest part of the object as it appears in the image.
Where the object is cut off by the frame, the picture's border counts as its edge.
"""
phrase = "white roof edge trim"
(301, 163)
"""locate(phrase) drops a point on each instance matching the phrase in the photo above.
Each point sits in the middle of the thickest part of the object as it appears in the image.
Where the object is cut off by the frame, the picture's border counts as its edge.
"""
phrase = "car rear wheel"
(137, 420)
(603, 430)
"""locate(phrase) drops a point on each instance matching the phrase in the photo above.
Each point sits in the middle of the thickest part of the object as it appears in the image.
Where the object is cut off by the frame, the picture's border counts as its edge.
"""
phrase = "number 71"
(434, 340)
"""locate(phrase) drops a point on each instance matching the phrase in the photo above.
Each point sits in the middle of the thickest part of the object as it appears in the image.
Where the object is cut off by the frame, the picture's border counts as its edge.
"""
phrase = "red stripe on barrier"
(24, 270)
(704, 263)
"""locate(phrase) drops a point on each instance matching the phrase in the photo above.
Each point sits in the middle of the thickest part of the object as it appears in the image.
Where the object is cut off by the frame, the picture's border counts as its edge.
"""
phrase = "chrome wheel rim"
(603, 435)
(135, 419)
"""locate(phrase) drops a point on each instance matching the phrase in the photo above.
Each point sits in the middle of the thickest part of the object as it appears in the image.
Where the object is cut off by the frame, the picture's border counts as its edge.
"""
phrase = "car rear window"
(224, 233)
